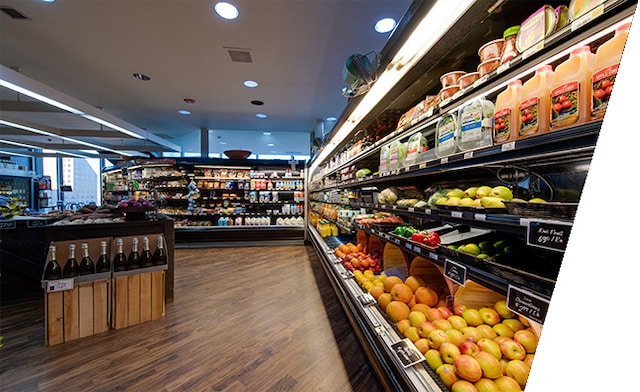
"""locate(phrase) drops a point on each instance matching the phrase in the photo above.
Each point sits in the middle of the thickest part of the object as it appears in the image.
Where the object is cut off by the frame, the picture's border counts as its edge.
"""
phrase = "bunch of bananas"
(9, 207)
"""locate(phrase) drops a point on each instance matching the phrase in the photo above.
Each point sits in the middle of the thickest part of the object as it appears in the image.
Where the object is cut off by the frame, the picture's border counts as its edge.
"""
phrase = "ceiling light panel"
(226, 10)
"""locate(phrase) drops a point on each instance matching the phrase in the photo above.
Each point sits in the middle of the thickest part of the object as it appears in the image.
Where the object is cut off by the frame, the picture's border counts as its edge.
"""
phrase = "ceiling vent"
(13, 13)
(236, 55)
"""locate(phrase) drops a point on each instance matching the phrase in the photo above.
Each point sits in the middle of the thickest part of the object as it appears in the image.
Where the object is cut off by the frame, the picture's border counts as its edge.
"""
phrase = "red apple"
(447, 374)
(422, 345)
(425, 327)
(512, 349)
(463, 386)
(468, 368)
(458, 309)
(469, 347)
(446, 312)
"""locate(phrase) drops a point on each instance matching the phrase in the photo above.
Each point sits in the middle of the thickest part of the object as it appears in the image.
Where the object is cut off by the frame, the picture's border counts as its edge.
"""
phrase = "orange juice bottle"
(571, 89)
(507, 112)
(535, 104)
(605, 69)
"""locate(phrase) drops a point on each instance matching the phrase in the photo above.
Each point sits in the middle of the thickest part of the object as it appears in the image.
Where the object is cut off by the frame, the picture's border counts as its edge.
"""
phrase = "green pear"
(502, 192)
(492, 202)
(476, 203)
(456, 192)
(483, 191)
(471, 192)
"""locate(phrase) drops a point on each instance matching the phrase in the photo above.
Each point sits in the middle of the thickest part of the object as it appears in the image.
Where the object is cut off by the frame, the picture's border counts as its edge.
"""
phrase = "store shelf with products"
(531, 183)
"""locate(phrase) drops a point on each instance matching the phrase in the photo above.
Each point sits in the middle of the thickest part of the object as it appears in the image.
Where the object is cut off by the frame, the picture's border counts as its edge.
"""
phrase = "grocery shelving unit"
(551, 165)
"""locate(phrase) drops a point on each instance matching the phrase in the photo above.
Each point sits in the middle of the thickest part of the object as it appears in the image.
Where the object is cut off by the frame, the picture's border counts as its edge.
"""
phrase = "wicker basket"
(548, 210)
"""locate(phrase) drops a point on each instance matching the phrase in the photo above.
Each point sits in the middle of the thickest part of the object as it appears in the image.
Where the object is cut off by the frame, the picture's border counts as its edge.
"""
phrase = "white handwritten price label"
(455, 272)
(456, 214)
(468, 155)
(508, 146)
(532, 50)
(444, 160)
(548, 235)
(480, 81)
(407, 245)
(588, 17)
(527, 304)
(427, 211)
(59, 285)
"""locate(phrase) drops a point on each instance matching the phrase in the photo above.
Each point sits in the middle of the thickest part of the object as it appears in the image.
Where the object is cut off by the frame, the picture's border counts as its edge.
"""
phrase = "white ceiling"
(89, 49)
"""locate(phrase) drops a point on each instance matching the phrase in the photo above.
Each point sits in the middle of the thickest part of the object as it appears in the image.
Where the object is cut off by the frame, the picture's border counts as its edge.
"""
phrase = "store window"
(75, 181)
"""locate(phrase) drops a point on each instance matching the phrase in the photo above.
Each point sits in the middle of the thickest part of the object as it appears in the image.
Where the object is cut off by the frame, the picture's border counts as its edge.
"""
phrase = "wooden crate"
(138, 296)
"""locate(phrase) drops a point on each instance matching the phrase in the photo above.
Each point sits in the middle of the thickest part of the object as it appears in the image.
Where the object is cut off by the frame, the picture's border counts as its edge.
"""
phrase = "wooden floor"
(243, 319)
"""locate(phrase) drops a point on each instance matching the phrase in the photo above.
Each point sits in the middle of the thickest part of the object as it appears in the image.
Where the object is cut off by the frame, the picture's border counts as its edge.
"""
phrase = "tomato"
(567, 104)
(608, 90)
(523, 119)
(530, 117)
(605, 83)
(557, 107)
(599, 93)
(527, 111)
(432, 239)
(562, 98)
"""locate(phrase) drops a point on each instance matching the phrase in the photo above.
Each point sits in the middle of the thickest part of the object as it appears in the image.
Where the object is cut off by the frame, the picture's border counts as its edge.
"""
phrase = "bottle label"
(529, 116)
(502, 125)
(602, 83)
(565, 104)
(471, 125)
(446, 134)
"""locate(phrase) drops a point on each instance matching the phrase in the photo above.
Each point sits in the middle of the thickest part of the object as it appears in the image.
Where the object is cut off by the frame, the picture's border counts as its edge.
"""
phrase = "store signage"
(527, 304)
(455, 272)
(7, 225)
(59, 285)
(407, 353)
(456, 214)
(548, 235)
(36, 223)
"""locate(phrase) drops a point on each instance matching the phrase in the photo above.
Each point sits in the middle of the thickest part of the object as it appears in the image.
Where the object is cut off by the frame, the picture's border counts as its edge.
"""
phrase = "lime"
(499, 244)
(486, 247)
(483, 256)
(472, 248)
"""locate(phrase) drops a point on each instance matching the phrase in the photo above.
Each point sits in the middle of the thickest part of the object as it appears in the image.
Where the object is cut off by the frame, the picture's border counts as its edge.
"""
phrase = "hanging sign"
(527, 304)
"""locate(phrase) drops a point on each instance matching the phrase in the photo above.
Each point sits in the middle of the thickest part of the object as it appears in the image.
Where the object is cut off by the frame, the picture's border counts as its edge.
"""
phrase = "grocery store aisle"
(243, 319)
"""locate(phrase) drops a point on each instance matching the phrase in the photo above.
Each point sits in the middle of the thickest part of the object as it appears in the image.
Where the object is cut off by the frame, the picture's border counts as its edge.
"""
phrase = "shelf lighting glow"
(439, 19)
(385, 25)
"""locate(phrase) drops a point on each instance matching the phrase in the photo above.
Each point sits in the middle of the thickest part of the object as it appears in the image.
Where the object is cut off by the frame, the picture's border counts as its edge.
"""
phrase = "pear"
(483, 191)
(537, 200)
(476, 203)
(453, 201)
(502, 192)
(465, 202)
(456, 192)
(470, 192)
(492, 202)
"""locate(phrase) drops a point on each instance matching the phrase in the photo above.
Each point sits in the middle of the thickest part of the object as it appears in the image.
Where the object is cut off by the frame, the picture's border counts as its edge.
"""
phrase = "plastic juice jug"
(605, 69)
(571, 89)
(506, 115)
(476, 124)
(535, 104)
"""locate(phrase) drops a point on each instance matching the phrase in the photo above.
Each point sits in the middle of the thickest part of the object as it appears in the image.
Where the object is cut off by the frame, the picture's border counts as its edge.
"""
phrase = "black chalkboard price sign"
(407, 353)
(527, 304)
(455, 272)
(548, 234)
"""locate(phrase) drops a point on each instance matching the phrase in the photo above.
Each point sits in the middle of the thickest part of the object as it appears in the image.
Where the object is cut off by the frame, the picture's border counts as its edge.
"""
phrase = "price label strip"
(367, 299)
(548, 235)
(407, 353)
(527, 304)
(59, 285)
(455, 272)
(8, 225)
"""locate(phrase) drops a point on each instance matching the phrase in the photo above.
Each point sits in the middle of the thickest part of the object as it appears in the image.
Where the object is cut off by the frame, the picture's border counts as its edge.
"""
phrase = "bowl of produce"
(237, 154)
(468, 79)
(451, 78)
(491, 50)
(448, 92)
(488, 66)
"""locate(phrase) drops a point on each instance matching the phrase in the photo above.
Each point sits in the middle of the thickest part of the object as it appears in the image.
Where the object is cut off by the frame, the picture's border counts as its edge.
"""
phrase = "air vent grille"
(236, 55)
(13, 13)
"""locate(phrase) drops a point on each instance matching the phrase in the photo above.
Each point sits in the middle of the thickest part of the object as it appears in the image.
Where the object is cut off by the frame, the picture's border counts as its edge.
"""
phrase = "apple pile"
(135, 202)
(354, 258)
(471, 350)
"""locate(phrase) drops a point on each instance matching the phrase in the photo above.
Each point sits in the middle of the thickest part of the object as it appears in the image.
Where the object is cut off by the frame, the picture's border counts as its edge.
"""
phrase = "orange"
(390, 282)
(401, 292)
(384, 300)
(397, 310)
(425, 295)
(376, 291)
(414, 282)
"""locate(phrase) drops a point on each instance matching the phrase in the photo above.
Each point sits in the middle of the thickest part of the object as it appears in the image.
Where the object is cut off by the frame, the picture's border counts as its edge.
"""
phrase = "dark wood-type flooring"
(243, 319)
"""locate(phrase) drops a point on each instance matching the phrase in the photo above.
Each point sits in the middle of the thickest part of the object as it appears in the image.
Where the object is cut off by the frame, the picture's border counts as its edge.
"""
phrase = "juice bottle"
(571, 89)
(605, 69)
(535, 104)
(507, 110)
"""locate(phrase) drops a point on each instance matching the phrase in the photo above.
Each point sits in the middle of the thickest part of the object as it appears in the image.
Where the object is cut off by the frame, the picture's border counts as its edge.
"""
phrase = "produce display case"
(552, 166)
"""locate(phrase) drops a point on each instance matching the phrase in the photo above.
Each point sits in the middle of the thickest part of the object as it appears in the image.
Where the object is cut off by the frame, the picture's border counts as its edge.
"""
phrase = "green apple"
(491, 347)
(519, 371)
(457, 322)
(442, 324)
(489, 316)
(453, 201)
(412, 334)
(463, 386)
(416, 317)
(447, 374)
(456, 192)
(512, 350)
(471, 333)
(490, 365)
(467, 368)
(449, 352)
(466, 202)
(434, 360)
(425, 327)
(486, 385)
(422, 345)
(487, 331)
(503, 330)
(437, 337)
(472, 317)
(469, 347)
(471, 248)
(455, 336)
(501, 192)
(502, 309)
(514, 324)
(470, 192)
(527, 339)
(492, 202)
(508, 384)
(483, 191)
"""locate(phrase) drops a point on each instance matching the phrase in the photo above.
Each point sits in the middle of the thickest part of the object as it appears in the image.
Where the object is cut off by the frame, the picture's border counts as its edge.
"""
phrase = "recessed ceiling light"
(141, 76)
(184, 112)
(257, 103)
(270, 144)
(261, 115)
(189, 101)
(250, 83)
(223, 143)
(385, 25)
(266, 133)
(331, 118)
(226, 10)
(48, 1)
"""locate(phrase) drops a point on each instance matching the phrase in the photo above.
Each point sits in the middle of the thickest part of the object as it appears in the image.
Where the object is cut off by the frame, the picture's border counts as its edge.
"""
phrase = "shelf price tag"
(527, 304)
(455, 272)
(427, 211)
(411, 209)
(548, 235)
(366, 299)
(508, 146)
(430, 112)
(8, 225)
(59, 285)
(407, 353)
(387, 237)
(433, 256)
(468, 155)
(422, 165)
(532, 50)
(444, 160)
(407, 245)
(481, 217)
(456, 214)
(588, 17)
(502, 68)
(480, 81)
(397, 241)
(36, 223)
(417, 249)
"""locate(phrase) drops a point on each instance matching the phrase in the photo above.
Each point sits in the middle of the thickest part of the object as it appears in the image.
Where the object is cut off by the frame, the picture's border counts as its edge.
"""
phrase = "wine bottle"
(52, 270)
(160, 255)
(103, 264)
(71, 268)
(86, 264)
(120, 261)
(146, 258)
(134, 257)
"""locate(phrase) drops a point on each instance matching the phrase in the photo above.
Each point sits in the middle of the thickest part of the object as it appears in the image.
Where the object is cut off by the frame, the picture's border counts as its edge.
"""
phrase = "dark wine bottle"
(52, 270)
(146, 258)
(71, 268)
(86, 264)
(160, 255)
(103, 264)
(134, 257)
(120, 261)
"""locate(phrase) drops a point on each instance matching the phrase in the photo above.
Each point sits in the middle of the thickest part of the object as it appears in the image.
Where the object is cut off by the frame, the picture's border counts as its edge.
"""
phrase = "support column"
(204, 143)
